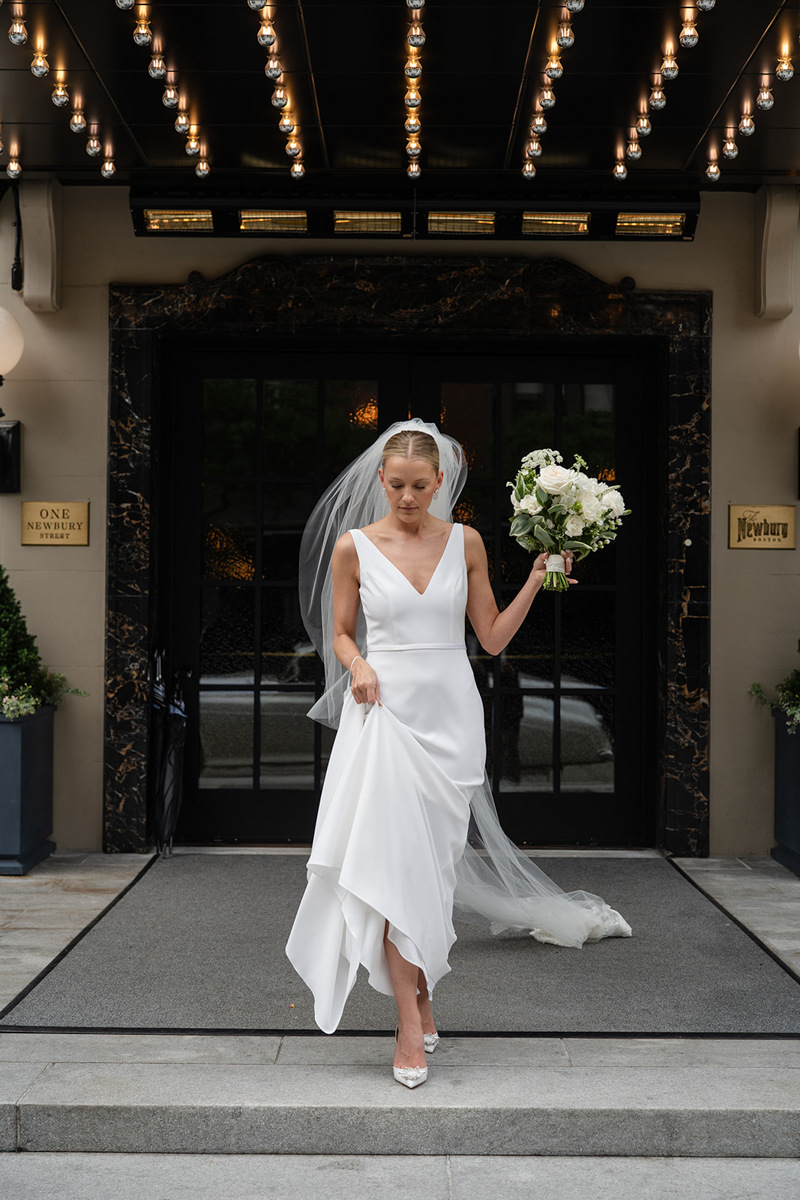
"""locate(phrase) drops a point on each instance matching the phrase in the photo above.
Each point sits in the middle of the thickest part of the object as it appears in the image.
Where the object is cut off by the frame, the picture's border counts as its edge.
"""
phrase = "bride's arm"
(346, 603)
(495, 629)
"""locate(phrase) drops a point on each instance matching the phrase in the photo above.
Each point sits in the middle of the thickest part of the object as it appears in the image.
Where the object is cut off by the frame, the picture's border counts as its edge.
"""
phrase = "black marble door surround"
(274, 300)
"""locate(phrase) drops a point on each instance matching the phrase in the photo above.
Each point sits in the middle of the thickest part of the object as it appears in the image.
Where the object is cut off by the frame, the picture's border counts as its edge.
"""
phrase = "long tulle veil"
(496, 882)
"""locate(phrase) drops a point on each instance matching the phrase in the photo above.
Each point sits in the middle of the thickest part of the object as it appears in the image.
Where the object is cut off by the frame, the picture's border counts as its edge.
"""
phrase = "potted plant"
(29, 696)
(786, 711)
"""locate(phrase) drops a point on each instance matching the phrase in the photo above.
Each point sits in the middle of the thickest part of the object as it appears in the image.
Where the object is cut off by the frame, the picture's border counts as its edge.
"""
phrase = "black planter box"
(787, 794)
(26, 791)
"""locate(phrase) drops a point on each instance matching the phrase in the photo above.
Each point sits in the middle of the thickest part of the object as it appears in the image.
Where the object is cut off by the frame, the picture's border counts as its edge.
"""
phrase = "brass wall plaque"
(761, 526)
(55, 523)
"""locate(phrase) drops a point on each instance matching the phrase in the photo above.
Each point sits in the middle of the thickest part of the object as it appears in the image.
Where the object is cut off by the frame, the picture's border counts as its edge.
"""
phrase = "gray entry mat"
(198, 943)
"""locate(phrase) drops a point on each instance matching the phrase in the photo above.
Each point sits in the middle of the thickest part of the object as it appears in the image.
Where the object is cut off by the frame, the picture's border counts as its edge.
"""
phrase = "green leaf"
(541, 495)
(521, 524)
(573, 545)
(543, 536)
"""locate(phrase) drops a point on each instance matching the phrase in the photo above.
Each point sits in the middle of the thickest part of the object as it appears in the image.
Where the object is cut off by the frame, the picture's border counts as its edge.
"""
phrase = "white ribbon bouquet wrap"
(561, 508)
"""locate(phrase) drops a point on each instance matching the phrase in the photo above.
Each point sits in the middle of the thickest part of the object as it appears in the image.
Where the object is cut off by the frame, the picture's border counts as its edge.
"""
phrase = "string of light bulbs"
(545, 97)
(171, 99)
(273, 70)
(415, 40)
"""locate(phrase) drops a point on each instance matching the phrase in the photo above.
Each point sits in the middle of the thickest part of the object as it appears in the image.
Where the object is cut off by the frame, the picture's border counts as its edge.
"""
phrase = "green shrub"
(25, 683)
(788, 701)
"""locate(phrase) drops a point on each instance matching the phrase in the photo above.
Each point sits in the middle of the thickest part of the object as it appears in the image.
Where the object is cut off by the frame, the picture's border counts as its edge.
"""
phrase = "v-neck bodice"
(396, 613)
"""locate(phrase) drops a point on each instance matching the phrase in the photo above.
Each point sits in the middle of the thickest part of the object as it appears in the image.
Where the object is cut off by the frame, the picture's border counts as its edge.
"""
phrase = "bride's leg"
(410, 1049)
(424, 1004)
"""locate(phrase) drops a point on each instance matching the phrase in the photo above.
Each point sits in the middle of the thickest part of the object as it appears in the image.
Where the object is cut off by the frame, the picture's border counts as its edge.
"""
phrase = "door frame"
(517, 304)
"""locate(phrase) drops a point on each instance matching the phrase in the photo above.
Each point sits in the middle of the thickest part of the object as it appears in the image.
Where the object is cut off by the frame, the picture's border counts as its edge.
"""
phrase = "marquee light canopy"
(570, 93)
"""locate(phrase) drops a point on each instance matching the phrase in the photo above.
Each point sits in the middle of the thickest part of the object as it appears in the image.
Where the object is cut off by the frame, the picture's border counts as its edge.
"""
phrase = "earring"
(436, 493)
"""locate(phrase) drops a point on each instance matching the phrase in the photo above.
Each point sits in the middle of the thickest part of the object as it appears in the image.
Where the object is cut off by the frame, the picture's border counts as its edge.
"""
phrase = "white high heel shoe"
(410, 1077)
(431, 1041)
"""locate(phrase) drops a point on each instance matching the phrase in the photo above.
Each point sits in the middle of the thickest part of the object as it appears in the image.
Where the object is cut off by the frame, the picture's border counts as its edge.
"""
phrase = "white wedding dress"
(391, 831)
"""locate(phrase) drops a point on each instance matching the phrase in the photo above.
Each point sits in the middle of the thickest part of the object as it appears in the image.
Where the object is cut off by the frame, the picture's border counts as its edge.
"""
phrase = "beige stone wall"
(59, 392)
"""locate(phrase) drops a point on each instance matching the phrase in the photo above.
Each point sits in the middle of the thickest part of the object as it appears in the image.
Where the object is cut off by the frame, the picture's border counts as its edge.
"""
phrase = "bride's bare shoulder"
(345, 550)
(473, 544)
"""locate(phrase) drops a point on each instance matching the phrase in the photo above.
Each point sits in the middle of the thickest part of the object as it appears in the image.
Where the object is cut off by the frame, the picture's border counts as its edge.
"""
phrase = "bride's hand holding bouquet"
(561, 512)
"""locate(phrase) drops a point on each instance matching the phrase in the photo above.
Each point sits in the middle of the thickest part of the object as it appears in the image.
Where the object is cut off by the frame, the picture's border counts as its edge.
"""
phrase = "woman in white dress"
(408, 761)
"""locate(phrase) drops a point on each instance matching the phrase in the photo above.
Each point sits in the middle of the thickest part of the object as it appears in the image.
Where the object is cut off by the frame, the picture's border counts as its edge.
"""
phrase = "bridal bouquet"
(558, 508)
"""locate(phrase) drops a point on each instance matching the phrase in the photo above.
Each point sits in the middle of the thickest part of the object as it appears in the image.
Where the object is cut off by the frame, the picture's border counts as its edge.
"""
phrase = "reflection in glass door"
(254, 442)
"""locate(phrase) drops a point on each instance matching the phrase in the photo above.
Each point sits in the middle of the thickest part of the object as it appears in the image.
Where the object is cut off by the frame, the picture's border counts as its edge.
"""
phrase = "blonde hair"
(409, 443)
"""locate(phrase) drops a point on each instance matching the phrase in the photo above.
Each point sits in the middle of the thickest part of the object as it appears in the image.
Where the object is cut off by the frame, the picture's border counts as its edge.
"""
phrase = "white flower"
(591, 508)
(573, 526)
(529, 505)
(540, 458)
(555, 480)
(613, 502)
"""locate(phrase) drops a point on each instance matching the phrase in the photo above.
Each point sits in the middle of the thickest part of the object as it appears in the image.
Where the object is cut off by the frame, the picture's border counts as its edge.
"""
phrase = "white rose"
(573, 526)
(614, 503)
(530, 505)
(555, 480)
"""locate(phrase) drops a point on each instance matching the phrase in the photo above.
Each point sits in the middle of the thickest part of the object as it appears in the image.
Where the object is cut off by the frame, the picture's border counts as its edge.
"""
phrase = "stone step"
(618, 1097)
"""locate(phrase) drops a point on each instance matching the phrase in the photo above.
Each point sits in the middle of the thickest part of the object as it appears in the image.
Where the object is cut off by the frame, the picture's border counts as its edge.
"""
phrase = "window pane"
(588, 427)
(467, 415)
(529, 423)
(351, 421)
(287, 740)
(587, 639)
(530, 652)
(527, 744)
(227, 645)
(286, 510)
(228, 531)
(229, 426)
(226, 739)
(587, 753)
(287, 655)
(290, 427)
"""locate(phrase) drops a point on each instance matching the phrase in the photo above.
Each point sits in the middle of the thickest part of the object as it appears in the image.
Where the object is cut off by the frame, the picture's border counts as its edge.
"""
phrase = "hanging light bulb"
(298, 170)
(729, 148)
(13, 170)
(257, 5)
(413, 170)
(192, 146)
(565, 37)
(765, 98)
(280, 98)
(643, 126)
(125, 4)
(784, 70)
(553, 68)
(39, 64)
(182, 122)
(412, 97)
(688, 35)
(286, 123)
(620, 170)
(574, 6)
(60, 96)
(17, 33)
(413, 68)
(547, 98)
(712, 171)
(293, 148)
(533, 148)
(413, 147)
(415, 5)
(658, 98)
(633, 150)
(202, 169)
(416, 35)
(93, 146)
(747, 125)
(157, 68)
(170, 99)
(705, 5)
(538, 124)
(266, 34)
(413, 123)
(77, 122)
(108, 170)
(669, 67)
(141, 34)
(273, 69)
(528, 170)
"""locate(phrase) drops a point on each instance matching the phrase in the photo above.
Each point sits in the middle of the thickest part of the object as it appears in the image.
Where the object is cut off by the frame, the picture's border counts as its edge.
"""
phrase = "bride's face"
(409, 484)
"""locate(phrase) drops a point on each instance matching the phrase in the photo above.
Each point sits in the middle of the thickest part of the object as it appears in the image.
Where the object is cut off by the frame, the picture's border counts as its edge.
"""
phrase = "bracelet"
(354, 660)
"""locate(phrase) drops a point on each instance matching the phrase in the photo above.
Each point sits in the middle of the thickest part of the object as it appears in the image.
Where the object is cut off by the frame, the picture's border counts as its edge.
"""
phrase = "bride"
(386, 581)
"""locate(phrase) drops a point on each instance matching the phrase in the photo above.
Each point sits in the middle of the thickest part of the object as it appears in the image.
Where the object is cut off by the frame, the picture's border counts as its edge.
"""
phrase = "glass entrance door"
(249, 446)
